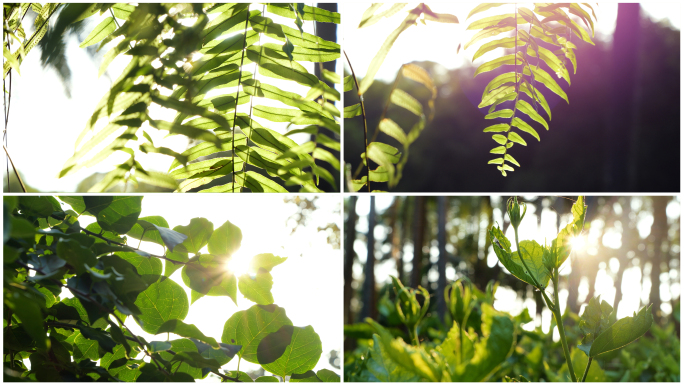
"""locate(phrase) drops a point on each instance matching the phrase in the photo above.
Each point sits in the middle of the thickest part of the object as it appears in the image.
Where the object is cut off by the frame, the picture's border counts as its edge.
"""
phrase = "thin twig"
(21, 182)
(365, 124)
(383, 114)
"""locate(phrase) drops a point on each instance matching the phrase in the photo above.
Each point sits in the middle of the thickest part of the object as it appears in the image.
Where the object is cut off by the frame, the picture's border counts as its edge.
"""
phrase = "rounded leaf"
(162, 301)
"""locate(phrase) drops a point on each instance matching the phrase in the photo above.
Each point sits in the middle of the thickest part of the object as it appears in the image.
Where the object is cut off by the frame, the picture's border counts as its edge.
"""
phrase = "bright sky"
(438, 42)
(635, 288)
(308, 284)
(44, 124)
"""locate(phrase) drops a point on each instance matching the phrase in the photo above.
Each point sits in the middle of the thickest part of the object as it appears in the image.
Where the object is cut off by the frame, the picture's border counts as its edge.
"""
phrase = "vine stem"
(561, 329)
(365, 123)
(384, 112)
(237, 101)
(586, 371)
(21, 182)
(555, 307)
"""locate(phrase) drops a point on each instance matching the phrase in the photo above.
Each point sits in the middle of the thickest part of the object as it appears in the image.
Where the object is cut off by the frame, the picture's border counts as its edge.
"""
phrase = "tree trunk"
(395, 251)
(659, 235)
(327, 31)
(418, 241)
(622, 109)
(369, 307)
(405, 230)
(441, 263)
(349, 255)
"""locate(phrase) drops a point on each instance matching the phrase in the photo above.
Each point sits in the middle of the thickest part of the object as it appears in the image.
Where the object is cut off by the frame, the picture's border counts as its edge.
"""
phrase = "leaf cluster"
(47, 253)
(192, 60)
(456, 354)
(390, 161)
(542, 47)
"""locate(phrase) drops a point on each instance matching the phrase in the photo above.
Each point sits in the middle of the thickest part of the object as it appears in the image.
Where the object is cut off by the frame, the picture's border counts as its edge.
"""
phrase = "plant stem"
(584, 377)
(365, 124)
(413, 333)
(251, 99)
(561, 330)
(237, 102)
(21, 182)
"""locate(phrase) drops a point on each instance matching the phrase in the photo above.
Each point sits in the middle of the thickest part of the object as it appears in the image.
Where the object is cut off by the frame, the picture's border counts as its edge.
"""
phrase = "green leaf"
(160, 302)
(76, 255)
(143, 265)
(506, 42)
(41, 206)
(208, 275)
(348, 83)
(328, 376)
(503, 114)
(532, 253)
(103, 338)
(225, 240)
(288, 48)
(501, 139)
(27, 308)
(496, 63)
(406, 101)
(83, 347)
(391, 128)
(622, 332)
(384, 368)
(510, 159)
(497, 128)
(492, 21)
(498, 339)
(501, 93)
(272, 347)
(258, 288)
(309, 13)
(301, 355)
(384, 50)
(144, 224)
(104, 29)
(579, 364)
(505, 25)
(514, 137)
(370, 17)
(352, 111)
(269, 379)
(114, 213)
(265, 261)
(524, 107)
(249, 327)
(186, 330)
(412, 358)
(543, 77)
(171, 238)
(523, 126)
(483, 7)
(198, 233)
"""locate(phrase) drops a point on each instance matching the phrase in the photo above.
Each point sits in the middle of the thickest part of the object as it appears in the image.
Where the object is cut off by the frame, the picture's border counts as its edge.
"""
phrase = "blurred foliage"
(535, 356)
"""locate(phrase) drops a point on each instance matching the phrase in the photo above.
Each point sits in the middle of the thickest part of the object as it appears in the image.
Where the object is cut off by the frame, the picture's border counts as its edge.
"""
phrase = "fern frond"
(548, 25)
(200, 69)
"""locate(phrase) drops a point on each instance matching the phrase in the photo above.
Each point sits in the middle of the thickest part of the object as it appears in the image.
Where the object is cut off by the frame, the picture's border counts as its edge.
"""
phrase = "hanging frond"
(535, 34)
(195, 60)
(390, 161)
